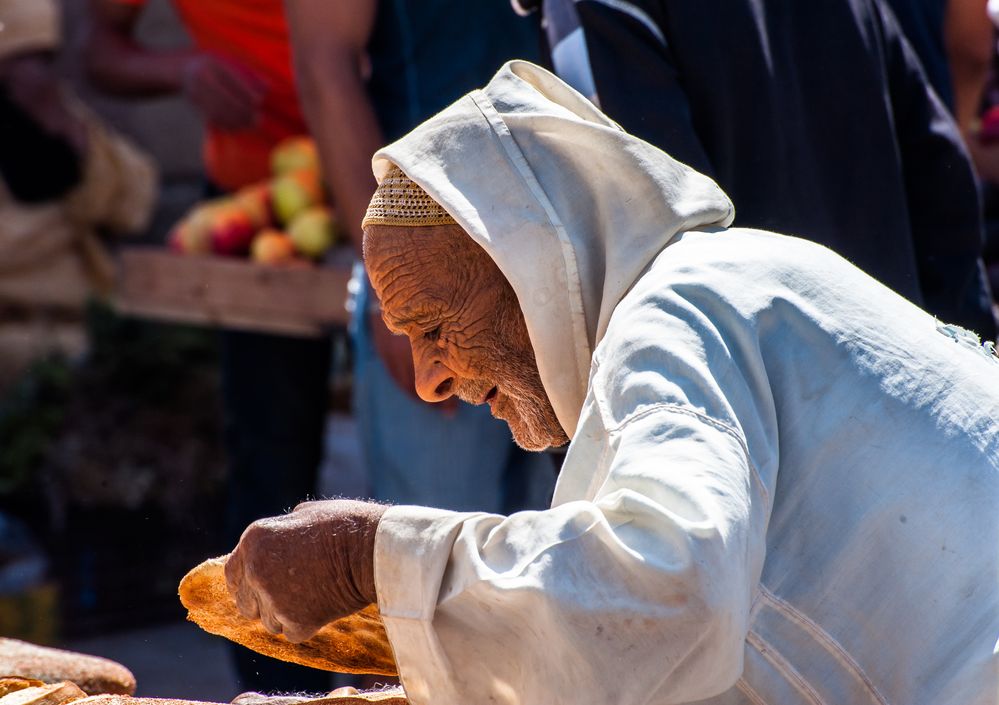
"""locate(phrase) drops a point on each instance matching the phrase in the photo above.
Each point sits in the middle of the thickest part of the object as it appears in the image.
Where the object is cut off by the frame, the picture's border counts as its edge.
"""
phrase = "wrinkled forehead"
(401, 224)
(424, 268)
(391, 250)
(412, 271)
(393, 253)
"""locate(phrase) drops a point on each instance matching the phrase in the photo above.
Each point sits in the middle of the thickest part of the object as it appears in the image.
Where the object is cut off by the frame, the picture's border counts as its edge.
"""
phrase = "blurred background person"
(238, 75)
(817, 120)
(952, 39)
(369, 71)
(985, 150)
(65, 180)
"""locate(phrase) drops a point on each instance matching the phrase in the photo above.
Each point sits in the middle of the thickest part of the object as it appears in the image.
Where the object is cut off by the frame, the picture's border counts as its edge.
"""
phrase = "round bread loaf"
(392, 696)
(92, 673)
(355, 644)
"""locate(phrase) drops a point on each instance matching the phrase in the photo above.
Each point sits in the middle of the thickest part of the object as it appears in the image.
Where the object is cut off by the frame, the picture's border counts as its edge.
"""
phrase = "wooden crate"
(231, 293)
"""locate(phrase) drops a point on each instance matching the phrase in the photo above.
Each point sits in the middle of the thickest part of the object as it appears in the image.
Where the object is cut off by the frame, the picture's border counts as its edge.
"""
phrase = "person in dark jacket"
(816, 118)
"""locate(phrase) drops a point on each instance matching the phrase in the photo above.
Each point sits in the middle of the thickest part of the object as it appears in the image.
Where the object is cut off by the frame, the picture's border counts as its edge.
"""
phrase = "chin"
(530, 441)
(537, 434)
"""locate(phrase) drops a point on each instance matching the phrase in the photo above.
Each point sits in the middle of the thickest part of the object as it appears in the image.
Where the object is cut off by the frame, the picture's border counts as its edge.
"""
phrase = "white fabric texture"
(783, 478)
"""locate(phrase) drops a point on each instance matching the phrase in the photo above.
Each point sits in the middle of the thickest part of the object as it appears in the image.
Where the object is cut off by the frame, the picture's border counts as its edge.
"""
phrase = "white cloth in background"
(783, 480)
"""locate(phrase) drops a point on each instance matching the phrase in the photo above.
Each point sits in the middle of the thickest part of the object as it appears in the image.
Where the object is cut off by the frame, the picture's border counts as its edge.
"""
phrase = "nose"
(434, 381)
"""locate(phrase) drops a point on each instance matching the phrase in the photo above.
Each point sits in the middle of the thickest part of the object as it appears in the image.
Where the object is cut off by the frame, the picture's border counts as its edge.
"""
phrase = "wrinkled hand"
(302, 570)
(396, 354)
(228, 95)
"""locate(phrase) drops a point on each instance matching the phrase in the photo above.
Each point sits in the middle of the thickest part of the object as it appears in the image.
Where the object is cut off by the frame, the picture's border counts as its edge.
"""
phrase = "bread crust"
(92, 673)
(355, 644)
(44, 694)
(8, 684)
(394, 696)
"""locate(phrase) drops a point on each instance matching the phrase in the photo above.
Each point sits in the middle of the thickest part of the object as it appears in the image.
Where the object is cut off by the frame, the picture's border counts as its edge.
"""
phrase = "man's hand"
(227, 95)
(302, 570)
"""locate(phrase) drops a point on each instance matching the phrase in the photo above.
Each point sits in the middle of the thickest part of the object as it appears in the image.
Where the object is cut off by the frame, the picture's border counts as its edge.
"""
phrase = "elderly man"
(782, 480)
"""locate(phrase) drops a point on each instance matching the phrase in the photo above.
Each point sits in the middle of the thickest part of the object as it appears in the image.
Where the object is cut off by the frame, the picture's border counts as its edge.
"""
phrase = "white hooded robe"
(783, 480)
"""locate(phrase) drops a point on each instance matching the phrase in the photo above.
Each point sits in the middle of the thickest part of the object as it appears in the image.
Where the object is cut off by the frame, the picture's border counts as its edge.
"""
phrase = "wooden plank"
(224, 292)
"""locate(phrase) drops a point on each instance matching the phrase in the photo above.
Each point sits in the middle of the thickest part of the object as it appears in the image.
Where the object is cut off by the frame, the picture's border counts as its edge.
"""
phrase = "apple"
(294, 192)
(293, 154)
(184, 239)
(272, 247)
(193, 234)
(255, 201)
(232, 230)
(312, 232)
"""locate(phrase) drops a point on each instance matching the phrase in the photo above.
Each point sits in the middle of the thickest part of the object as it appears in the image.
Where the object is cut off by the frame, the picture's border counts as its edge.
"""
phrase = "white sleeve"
(642, 594)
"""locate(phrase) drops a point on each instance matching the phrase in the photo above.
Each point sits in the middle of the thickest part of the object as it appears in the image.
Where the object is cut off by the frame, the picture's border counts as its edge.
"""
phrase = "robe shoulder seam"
(717, 424)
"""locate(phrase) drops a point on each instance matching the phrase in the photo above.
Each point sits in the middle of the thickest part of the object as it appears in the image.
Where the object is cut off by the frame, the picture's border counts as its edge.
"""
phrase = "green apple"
(312, 232)
(294, 192)
(294, 153)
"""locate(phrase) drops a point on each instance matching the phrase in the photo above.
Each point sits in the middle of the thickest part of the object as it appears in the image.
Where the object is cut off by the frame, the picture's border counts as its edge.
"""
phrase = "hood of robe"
(570, 207)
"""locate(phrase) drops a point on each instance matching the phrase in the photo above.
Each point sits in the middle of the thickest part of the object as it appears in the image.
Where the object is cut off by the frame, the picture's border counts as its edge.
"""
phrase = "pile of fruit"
(280, 221)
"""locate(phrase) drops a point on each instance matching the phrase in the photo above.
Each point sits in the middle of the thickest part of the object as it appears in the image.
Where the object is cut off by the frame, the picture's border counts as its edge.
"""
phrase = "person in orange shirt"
(238, 75)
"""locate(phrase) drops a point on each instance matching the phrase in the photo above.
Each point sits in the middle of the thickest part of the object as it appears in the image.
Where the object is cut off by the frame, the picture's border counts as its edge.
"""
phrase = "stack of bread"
(37, 675)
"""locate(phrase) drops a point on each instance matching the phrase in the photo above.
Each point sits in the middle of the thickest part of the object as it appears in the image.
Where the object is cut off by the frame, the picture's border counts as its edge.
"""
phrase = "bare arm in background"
(329, 41)
(227, 95)
(968, 35)
(970, 41)
(944, 207)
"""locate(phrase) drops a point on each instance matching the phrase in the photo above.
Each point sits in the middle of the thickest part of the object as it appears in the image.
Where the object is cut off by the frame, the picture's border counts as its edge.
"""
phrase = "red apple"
(255, 201)
(232, 231)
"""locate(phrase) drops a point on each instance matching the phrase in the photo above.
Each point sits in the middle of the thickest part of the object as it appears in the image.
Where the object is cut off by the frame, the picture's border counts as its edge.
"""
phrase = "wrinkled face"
(463, 321)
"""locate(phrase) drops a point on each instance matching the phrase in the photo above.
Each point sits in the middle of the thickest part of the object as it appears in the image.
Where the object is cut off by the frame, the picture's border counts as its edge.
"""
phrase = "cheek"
(472, 360)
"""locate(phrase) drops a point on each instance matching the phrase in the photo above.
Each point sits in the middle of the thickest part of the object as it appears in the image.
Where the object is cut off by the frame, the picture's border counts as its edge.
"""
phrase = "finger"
(297, 633)
(271, 623)
(206, 90)
(233, 569)
(247, 603)
(250, 80)
(224, 106)
(239, 84)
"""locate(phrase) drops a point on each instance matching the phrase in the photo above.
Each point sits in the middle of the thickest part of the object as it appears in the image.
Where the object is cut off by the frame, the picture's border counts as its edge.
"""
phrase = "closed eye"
(433, 335)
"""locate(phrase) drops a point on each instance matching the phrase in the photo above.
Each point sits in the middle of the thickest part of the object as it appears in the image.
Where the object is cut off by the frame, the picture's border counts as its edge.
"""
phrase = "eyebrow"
(400, 322)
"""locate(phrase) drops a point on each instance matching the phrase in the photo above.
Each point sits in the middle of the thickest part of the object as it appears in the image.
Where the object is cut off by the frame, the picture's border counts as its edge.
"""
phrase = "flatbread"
(128, 700)
(394, 696)
(355, 644)
(8, 684)
(45, 694)
(92, 673)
